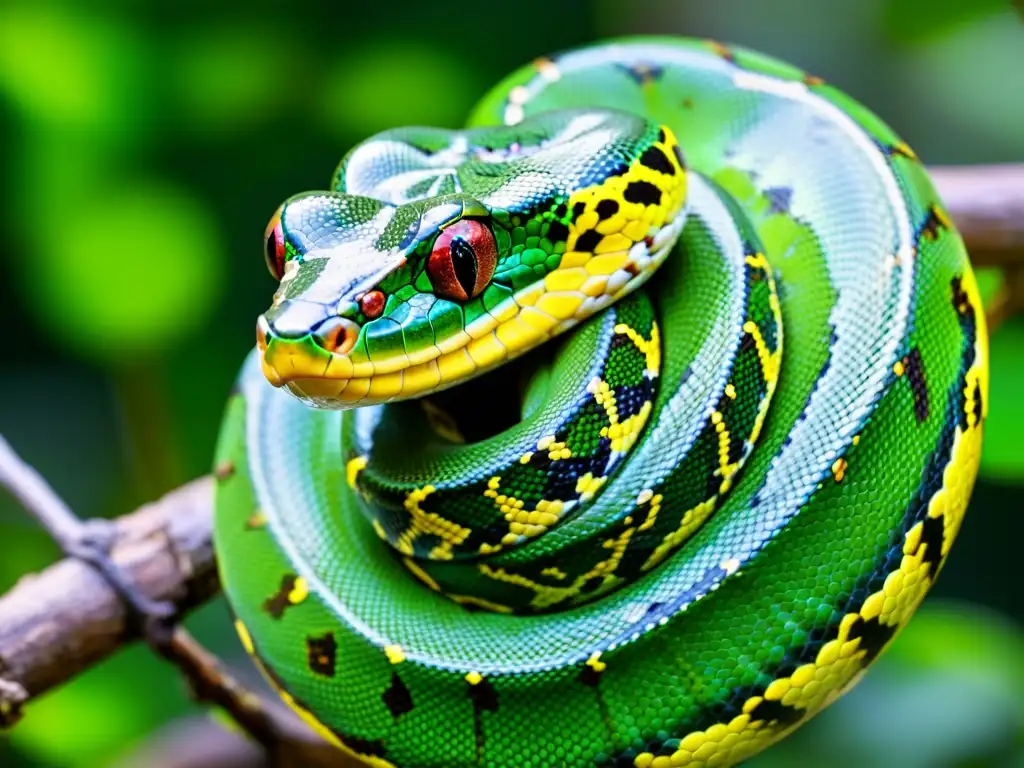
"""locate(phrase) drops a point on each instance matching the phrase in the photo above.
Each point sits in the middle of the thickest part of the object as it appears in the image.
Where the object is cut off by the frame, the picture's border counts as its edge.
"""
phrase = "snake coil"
(625, 427)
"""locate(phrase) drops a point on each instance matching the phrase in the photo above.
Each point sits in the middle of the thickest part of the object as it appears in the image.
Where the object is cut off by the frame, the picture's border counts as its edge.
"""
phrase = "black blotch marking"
(961, 301)
(656, 160)
(484, 696)
(619, 340)
(978, 410)
(775, 710)
(560, 211)
(278, 603)
(779, 199)
(607, 208)
(557, 232)
(914, 367)
(933, 224)
(397, 698)
(642, 192)
(588, 241)
(320, 652)
(661, 136)
(578, 209)
(590, 676)
(933, 531)
(873, 634)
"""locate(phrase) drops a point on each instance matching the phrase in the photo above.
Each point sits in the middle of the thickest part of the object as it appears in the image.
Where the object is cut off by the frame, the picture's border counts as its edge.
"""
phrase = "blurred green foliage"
(143, 147)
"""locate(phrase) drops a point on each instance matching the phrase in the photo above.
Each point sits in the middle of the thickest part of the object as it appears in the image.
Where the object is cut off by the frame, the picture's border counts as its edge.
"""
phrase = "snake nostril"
(337, 335)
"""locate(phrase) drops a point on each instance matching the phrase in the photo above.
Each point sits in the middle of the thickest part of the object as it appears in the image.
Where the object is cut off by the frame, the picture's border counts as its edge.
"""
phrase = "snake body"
(750, 372)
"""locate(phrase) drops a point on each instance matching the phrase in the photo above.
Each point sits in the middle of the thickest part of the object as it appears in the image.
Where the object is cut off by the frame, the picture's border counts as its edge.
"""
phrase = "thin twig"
(210, 682)
(26, 485)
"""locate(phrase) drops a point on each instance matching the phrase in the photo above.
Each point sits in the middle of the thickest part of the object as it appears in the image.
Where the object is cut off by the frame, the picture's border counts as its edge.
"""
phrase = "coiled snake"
(718, 496)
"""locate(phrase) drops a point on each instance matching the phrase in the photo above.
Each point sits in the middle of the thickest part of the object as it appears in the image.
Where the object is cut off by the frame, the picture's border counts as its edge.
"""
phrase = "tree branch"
(987, 204)
(58, 622)
(72, 615)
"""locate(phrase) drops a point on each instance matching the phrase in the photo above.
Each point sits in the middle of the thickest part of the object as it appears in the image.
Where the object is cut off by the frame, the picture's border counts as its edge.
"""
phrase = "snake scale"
(624, 427)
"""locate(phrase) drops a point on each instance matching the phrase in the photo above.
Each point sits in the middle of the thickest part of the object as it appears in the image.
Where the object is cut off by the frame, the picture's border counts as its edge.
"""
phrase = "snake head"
(439, 255)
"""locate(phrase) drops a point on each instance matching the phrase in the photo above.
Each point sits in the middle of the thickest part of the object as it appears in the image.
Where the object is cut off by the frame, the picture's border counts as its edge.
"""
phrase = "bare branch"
(68, 617)
(987, 204)
(58, 622)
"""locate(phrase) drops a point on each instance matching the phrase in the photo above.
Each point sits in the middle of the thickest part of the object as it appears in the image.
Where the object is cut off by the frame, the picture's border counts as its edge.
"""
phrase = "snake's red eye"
(274, 250)
(372, 304)
(463, 260)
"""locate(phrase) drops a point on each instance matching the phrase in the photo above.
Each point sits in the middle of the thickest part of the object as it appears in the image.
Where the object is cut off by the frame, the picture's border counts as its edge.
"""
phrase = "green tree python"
(746, 364)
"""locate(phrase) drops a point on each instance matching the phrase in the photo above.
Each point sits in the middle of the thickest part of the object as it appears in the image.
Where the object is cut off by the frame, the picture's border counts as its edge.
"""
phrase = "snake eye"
(463, 260)
(274, 250)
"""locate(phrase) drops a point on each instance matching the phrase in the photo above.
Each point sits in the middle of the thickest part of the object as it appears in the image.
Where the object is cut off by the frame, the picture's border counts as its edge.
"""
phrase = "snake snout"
(300, 340)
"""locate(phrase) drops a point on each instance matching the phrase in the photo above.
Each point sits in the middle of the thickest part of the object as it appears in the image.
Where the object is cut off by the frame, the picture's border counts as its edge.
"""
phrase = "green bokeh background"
(144, 145)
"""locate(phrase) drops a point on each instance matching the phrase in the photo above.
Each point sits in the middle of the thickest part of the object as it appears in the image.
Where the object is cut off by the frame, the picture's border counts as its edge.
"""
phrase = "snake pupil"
(464, 262)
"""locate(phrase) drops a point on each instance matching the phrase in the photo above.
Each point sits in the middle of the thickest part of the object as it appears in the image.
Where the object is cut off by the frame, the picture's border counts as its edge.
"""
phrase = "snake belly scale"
(730, 483)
